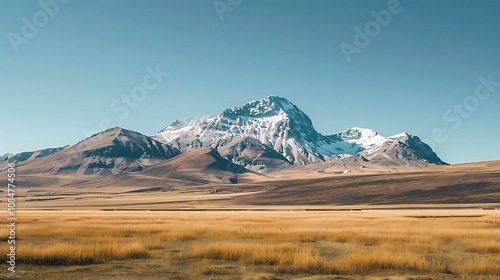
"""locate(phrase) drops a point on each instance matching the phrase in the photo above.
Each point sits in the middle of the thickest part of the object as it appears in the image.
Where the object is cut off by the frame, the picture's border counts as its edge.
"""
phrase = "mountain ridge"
(5, 156)
(113, 151)
(279, 124)
(264, 135)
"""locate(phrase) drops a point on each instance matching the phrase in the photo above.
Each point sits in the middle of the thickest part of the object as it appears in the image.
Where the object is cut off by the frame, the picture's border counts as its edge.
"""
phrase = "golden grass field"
(372, 244)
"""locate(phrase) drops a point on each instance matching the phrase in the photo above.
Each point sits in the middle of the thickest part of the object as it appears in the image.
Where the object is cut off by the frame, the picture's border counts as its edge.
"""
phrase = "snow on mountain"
(276, 123)
(361, 136)
(5, 156)
(405, 149)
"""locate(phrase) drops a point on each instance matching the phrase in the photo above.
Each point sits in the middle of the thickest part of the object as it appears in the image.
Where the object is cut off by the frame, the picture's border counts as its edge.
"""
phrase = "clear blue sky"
(63, 81)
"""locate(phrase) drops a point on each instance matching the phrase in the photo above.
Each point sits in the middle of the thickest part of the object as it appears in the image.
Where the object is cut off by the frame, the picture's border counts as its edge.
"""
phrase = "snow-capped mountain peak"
(272, 108)
(273, 120)
(278, 124)
(269, 106)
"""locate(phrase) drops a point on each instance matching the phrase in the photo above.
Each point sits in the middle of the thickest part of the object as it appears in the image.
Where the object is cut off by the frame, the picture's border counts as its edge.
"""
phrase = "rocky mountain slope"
(113, 151)
(24, 156)
(5, 156)
(203, 166)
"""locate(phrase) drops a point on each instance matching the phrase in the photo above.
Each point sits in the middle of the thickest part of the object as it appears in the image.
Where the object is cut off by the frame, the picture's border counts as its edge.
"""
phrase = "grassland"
(410, 244)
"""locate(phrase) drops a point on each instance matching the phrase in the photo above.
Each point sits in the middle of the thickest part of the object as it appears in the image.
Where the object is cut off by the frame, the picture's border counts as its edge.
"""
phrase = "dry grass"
(282, 257)
(312, 243)
(71, 254)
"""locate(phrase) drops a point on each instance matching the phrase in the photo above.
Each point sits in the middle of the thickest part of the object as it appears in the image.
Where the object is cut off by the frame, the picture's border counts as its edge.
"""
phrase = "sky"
(70, 69)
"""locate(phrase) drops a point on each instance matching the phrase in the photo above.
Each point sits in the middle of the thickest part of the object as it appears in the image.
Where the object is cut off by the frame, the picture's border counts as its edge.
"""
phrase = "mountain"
(273, 133)
(403, 149)
(201, 166)
(400, 149)
(273, 121)
(113, 151)
(252, 154)
(24, 156)
(5, 156)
